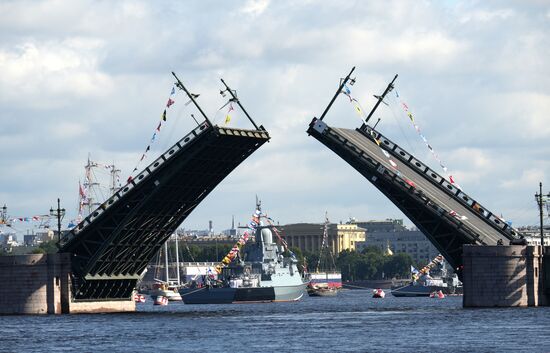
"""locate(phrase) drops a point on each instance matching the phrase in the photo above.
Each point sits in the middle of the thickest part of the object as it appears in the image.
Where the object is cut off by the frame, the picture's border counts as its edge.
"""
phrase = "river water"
(351, 322)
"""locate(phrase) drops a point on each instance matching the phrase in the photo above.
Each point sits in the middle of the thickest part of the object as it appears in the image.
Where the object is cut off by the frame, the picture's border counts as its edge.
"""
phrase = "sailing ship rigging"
(92, 192)
(326, 280)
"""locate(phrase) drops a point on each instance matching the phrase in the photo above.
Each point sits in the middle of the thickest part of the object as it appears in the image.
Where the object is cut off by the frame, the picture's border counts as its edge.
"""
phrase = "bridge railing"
(441, 182)
(391, 176)
(172, 151)
(135, 181)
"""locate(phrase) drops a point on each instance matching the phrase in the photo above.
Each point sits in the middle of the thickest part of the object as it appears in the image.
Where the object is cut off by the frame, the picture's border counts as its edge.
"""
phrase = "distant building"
(207, 240)
(31, 239)
(232, 232)
(7, 241)
(532, 234)
(309, 236)
(394, 234)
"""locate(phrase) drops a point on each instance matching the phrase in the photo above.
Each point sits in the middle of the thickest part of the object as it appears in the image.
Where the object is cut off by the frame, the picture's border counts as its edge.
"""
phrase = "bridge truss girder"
(445, 232)
(112, 247)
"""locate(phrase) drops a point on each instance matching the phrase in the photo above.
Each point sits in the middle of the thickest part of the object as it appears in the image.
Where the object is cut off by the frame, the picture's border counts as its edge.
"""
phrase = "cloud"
(528, 177)
(68, 130)
(255, 7)
(482, 15)
(85, 76)
(52, 73)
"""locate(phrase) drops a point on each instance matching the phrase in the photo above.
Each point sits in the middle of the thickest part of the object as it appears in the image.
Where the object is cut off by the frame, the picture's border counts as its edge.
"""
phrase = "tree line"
(368, 264)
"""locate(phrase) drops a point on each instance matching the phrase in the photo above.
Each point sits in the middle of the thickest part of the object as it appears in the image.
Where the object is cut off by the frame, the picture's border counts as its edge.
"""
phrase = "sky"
(91, 78)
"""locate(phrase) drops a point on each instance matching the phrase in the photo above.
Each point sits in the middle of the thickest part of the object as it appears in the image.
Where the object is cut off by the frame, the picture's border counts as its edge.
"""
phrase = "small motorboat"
(322, 291)
(139, 298)
(378, 293)
(437, 294)
(161, 300)
(162, 289)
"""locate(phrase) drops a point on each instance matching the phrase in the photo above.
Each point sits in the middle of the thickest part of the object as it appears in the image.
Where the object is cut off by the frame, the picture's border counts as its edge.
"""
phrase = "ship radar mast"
(258, 204)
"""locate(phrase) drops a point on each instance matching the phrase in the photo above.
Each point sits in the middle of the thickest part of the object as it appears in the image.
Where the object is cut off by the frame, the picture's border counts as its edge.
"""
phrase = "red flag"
(81, 191)
(169, 103)
(158, 127)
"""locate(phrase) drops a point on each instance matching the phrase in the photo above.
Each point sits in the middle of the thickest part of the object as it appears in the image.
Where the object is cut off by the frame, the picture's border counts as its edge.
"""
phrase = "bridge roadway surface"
(488, 234)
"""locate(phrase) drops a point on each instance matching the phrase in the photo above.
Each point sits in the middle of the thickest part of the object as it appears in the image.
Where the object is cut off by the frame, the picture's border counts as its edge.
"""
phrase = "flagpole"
(180, 85)
(381, 98)
(239, 103)
(337, 93)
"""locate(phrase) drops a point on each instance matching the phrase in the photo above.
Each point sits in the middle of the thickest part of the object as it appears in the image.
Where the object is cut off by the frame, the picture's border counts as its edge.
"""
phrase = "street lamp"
(59, 213)
(4, 217)
(541, 200)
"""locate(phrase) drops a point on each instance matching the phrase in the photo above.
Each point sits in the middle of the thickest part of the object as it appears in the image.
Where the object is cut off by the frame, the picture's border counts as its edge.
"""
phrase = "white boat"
(378, 293)
(169, 292)
(322, 292)
(168, 288)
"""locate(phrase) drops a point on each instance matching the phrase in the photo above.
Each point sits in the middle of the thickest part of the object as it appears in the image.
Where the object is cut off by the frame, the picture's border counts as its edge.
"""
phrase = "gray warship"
(263, 275)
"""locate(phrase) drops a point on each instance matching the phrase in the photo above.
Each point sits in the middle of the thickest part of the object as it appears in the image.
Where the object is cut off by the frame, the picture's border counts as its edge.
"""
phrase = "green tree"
(48, 247)
(398, 265)
(192, 253)
(371, 266)
(311, 259)
(299, 257)
(372, 250)
(348, 261)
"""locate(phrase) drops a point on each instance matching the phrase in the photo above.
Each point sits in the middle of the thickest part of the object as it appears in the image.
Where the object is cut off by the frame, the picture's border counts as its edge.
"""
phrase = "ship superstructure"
(258, 273)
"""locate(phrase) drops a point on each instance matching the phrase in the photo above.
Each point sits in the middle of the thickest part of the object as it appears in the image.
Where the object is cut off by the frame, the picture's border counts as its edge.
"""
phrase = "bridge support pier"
(504, 276)
(40, 284)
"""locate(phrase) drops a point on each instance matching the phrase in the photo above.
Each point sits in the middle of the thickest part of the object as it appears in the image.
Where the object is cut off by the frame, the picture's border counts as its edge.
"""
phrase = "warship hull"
(228, 295)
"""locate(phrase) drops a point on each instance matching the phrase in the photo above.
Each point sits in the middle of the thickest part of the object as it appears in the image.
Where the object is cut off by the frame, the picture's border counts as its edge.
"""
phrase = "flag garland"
(163, 118)
(38, 218)
(360, 111)
(230, 109)
(434, 154)
(391, 161)
(227, 115)
(252, 225)
(278, 234)
(356, 105)
(426, 269)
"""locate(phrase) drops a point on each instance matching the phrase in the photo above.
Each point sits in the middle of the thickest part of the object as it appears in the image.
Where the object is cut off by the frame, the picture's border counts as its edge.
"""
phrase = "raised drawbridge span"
(445, 214)
(113, 245)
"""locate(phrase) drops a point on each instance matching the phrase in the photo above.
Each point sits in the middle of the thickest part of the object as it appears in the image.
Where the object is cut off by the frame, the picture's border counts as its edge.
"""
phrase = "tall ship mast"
(326, 280)
(93, 192)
